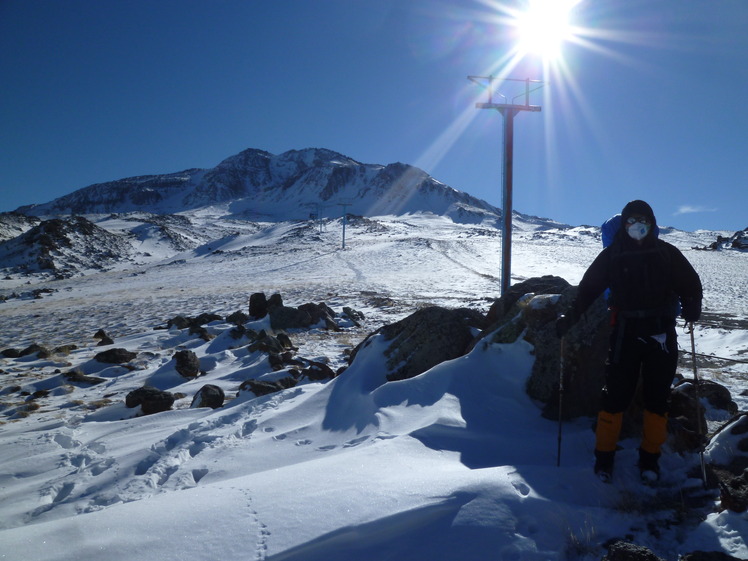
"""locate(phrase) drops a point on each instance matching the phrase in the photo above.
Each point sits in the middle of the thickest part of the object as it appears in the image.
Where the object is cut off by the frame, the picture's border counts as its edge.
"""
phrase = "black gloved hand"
(691, 309)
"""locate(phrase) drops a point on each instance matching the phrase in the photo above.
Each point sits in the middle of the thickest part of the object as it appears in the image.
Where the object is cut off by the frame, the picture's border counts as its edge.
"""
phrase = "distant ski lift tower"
(345, 218)
(508, 109)
(317, 216)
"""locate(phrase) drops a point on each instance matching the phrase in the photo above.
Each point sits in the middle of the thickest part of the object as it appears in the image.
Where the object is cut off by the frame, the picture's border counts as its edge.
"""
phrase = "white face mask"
(638, 231)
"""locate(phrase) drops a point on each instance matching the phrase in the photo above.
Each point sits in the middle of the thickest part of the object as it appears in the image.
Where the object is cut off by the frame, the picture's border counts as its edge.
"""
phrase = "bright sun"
(544, 26)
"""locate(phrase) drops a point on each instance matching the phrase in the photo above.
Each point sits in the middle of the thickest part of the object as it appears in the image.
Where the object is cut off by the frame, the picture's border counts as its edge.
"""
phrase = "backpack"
(611, 226)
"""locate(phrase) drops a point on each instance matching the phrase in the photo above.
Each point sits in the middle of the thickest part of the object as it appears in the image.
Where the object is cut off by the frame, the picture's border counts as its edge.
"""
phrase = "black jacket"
(647, 283)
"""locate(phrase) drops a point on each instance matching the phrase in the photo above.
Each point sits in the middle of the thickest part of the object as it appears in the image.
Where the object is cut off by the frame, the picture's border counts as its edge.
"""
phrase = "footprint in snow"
(521, 487)
(355, 442)
(65, 441)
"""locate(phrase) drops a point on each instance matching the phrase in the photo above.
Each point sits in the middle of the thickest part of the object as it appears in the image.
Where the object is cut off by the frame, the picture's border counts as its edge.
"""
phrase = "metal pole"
(508, 111)
(560, 401)
(506, 198)
(344, 217)
(700, 425)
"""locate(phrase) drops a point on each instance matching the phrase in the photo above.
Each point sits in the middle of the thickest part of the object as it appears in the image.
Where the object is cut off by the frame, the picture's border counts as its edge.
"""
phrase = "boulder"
(320, 313)
(625, 551)
(538, 285)
(687, 419)
(318, 371)
(238, 318)
(65, 349)
(188, 365)
(258, 305)
(82, 378)
(39, 350)
(183, 322)
(354, 316)
(115, 356)
(424, 339)
(201, 332)
(275, 301)
(264, 387)
(101, 334)
(285, 341)
(529, 310)
(150, 399)
(180, 322)
(267, 344)
(728, 463)
(209, 395)
(207, 317)
(733, 490)
(285, 317)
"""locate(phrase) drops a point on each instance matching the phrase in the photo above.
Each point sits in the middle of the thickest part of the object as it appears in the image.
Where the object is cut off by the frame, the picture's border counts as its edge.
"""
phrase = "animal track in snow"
(263, 533)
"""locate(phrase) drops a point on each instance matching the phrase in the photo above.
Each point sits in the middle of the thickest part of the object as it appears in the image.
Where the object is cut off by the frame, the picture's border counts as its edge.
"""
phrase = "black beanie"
(638, 208)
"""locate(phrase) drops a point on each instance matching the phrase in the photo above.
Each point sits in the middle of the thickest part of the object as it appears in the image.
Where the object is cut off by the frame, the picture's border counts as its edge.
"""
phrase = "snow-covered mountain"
(257, 185)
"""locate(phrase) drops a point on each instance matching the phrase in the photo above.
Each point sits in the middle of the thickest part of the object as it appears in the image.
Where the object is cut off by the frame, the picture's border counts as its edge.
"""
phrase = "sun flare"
(544, 27)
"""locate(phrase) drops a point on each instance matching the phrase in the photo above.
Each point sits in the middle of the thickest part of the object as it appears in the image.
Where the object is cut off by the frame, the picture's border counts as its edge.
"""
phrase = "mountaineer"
(650, 281)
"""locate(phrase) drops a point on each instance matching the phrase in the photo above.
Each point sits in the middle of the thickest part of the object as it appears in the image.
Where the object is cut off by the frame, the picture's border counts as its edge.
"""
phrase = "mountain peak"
(256, 184)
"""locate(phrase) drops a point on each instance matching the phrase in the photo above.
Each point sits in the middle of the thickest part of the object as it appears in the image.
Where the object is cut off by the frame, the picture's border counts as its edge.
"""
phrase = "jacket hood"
(638, 208)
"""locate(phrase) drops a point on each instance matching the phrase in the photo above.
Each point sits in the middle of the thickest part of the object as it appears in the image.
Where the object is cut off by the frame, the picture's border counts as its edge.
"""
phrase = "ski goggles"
(640, 219)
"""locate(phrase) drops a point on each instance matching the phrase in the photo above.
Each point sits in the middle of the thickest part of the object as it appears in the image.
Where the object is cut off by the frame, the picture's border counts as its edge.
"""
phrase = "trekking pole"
(560, 400)
(700, 426)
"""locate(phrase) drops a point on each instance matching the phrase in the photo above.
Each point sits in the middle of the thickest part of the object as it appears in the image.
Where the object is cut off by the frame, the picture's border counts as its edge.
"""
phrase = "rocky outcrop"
(738, 241)
(13, 224)
(424, 339)
(64, 247)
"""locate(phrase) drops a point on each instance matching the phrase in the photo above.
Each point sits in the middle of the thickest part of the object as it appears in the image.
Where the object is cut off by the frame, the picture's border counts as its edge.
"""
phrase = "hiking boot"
(604, 465)
(648, 466)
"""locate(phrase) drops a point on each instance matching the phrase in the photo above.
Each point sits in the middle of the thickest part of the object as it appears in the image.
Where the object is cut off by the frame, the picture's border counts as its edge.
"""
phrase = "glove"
(691, 309)
(564, 323)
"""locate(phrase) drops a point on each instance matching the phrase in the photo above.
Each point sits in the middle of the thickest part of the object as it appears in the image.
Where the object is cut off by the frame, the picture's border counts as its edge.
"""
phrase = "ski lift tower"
(345, 204)
(508, 109)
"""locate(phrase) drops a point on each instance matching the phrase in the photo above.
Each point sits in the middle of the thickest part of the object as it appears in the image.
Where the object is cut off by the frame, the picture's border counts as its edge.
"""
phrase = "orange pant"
(654, 432)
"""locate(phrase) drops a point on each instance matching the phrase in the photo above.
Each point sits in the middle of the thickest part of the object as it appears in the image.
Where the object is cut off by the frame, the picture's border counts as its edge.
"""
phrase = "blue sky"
(647, 102)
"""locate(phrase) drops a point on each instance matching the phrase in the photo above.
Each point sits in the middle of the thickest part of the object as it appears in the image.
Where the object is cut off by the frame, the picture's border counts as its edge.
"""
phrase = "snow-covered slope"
(453, 464)
(63, 247)
(13, 224)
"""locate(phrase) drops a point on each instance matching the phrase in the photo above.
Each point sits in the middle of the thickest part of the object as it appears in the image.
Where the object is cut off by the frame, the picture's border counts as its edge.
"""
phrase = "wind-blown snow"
(453, 464)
